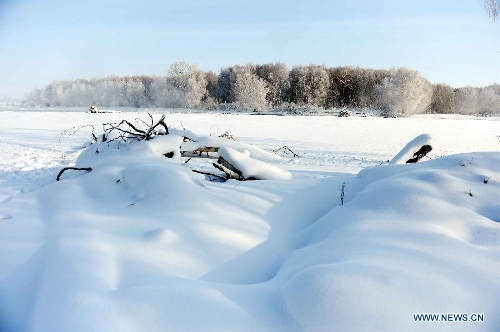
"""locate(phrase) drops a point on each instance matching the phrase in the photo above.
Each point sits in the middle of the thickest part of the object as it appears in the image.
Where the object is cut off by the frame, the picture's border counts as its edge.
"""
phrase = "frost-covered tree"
(110, 92)
(443, 98)
(489, 100)
(211, 95)
(135, 93)
(466, 100)
(158, 92)
(353, 86)
(309, 85)
(365, 81)
(186, 85)
(249, 90)
(492, 8)
(405, 92)
(276, 77)
(342, 88)
(78, 94)
(224, 85)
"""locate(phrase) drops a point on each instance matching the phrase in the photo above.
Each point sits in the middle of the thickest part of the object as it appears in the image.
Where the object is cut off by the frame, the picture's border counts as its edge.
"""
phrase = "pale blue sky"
(450, 41)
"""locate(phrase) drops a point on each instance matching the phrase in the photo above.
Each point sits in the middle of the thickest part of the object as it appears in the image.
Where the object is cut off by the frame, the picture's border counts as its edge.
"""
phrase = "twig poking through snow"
(342, 193)
(71, 131)
(88, 169)
(286, 149)
(228, 136)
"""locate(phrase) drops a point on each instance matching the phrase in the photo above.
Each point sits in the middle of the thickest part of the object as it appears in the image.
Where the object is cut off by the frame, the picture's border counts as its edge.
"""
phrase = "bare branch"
(88, 169)
(286, 149)
(228, 136)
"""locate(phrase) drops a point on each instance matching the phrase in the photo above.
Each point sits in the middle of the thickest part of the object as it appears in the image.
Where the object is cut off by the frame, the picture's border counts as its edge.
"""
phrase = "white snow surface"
(141, 243)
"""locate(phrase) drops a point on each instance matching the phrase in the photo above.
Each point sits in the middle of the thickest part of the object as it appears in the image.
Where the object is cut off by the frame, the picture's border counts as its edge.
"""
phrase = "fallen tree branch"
(88, 169)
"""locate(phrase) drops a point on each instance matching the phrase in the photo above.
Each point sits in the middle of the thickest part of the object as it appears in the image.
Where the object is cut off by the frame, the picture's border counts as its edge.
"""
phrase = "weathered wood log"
(229, 166)
(231, 171)
(88, 169)
(206, 149)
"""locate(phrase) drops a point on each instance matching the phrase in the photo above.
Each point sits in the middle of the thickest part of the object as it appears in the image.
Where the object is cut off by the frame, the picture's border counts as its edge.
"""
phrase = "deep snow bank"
(412, 239)
(143, 243)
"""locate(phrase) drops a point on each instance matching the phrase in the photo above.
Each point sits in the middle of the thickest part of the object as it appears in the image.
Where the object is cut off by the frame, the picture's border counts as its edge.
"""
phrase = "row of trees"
(398, 91)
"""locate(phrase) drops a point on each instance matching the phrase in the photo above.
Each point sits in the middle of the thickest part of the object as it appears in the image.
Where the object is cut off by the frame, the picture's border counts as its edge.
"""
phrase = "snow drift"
(142, 243)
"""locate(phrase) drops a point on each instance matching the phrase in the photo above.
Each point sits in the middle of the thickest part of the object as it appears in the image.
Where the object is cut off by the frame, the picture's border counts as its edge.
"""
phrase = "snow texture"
(142, 243)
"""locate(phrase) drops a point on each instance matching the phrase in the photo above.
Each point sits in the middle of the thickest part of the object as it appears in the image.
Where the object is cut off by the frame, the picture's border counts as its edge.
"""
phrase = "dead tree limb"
(286, 149)
(88, 169)
(151, 129)
(127, 128)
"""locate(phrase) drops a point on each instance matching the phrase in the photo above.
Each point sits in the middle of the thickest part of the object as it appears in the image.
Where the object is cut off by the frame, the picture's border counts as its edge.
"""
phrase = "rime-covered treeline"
(398, 91)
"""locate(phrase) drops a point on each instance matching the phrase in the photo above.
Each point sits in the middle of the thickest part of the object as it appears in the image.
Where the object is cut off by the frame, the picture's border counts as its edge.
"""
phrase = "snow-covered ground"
(143, 243)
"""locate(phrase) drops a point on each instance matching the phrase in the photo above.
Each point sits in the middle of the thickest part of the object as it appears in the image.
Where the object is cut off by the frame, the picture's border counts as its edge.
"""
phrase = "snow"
(142, 243)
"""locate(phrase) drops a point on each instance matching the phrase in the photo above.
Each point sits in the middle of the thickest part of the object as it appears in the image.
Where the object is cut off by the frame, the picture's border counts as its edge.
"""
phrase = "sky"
(41, 41)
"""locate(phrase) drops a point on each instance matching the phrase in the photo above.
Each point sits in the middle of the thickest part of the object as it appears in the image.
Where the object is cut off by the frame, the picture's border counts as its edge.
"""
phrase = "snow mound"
(410, 149)
(253, 168)
(411, 239)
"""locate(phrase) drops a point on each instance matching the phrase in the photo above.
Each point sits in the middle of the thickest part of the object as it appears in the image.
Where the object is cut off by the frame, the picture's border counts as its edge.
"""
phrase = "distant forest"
(272, 86)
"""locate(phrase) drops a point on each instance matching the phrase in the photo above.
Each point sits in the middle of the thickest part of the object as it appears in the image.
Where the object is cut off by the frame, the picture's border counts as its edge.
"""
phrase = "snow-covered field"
(141, 243)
